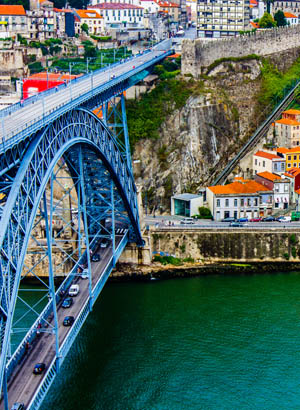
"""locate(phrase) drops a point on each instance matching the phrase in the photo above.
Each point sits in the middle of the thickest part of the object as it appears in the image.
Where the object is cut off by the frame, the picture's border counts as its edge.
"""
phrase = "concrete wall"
(198, 54)
(237, 245)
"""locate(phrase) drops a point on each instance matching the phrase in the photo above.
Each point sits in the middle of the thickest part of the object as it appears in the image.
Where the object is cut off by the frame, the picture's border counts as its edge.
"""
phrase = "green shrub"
(293, 239)
(286, 256)
(168, 260)
(294, 252)
(188, 260)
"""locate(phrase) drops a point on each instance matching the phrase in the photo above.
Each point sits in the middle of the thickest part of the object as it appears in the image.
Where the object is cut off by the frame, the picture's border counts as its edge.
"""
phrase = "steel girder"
(77, 127)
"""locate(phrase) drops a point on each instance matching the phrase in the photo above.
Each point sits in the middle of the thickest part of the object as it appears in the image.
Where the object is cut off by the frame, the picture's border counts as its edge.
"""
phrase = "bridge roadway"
(25, 116)
(23, 382)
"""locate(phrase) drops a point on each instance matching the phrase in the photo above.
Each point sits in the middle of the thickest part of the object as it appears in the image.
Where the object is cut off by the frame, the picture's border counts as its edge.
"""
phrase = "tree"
(84, 27)
(267, 21)
(280, 19)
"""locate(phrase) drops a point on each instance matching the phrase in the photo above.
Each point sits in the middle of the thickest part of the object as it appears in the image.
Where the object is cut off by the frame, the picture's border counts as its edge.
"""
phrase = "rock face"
(198, 140)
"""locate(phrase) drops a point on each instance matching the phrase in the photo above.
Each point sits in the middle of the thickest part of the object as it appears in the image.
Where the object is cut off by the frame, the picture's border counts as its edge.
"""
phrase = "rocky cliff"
(197, 140)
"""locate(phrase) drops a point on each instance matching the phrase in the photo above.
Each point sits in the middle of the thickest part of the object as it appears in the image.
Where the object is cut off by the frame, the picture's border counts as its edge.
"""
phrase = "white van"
(74, 290)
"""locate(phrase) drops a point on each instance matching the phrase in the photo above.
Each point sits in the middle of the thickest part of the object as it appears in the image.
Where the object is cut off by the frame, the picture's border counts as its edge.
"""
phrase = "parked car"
(242, 220)
(229, 219)
(255, 219)
(39, 368)
(84, 274)
(187, 221)
(74, 290)
(68, 321)
(96, 257)
(238, 224)
(269, 219)
(284, 219)
(68, 302)
(18, 406)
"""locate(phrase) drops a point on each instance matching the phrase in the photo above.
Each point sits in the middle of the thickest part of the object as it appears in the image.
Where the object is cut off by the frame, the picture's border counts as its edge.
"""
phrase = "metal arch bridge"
(67, 193)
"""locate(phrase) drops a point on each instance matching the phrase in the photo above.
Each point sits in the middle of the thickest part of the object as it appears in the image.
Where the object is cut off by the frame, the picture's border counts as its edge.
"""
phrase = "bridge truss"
(67, 190)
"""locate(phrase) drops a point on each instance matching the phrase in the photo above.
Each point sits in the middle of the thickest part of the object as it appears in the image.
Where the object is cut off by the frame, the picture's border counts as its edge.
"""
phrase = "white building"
(291, 18)
(281, 193)
(222, 17)
(13, 20)
(120, 15)
(186, 204)
(266, 161)
(92, 18)
(239, 199)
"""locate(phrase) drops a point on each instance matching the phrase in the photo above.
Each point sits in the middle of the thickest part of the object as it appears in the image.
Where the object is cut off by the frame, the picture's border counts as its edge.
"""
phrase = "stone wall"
(238, 245)
(12, 61)
(198, 54)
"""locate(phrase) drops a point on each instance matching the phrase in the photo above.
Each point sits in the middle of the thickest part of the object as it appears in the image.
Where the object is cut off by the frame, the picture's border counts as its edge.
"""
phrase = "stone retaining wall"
(198, 54)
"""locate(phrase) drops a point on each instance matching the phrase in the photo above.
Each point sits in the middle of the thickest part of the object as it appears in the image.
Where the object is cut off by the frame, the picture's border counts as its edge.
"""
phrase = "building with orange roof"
(13, 20)
(287, 129)
(292, 157)
(268, 161)
(279, 185)
(291, 18)
(239, 199)
(293, 175)
(93, 18)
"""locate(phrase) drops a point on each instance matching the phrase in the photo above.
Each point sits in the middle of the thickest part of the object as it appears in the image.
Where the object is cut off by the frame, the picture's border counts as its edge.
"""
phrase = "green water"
(221, 342)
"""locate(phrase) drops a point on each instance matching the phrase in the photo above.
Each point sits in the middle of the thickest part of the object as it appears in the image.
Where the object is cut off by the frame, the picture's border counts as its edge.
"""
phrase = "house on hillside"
(279, 186)
(268, 161)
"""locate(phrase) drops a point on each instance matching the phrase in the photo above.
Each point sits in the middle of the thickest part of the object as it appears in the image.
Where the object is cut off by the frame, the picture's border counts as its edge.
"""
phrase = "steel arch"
(79, 126)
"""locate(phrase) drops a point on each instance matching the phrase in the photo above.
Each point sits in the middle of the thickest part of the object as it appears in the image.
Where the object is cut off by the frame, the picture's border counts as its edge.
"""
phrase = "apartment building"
(117, 15)
(286, 6)
(13, 20)
(241, 198)
(279, 185)
(219, 18)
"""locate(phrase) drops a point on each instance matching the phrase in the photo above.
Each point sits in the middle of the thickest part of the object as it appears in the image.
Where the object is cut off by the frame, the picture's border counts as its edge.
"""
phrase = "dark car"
(104, 243)
(18, 406)
(39, 368)
(242, 220)
(229, 219)
(68, 302)
(96, 257)
(238, 224)
(269, 219)
(68, 321)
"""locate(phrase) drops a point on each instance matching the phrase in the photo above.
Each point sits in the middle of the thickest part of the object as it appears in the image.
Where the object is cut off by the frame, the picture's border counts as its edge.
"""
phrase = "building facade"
(266, 161)
(219, 18)
(120, 15)
(92, 18)
(239, 199)
(13, 21)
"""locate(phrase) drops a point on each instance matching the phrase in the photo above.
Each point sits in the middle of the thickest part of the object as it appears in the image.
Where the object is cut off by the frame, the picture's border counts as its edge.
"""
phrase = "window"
(264, 163)
(218, 203)
(289, 158)
(242, 202)
(255, 202)
(289, 165)
(294, 165)
(286, 188)
(249, 202)
(255, 161)
(295, 157)
(235, 202)
(226, 202)
(282, 166)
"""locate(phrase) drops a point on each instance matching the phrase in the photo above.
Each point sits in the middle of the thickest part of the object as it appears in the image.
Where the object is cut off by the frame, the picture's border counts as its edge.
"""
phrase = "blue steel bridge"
(67, 198)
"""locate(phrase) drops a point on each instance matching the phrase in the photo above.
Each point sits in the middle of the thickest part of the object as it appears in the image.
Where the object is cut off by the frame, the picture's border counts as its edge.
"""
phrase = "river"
(213, 342)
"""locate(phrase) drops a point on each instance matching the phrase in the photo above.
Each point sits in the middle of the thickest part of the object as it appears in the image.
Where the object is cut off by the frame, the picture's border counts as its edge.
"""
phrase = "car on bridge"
(39, 368)
(74, 290)
(96, 257)
(68, 302)
(238, 224)
(84, 274)
(104, 243)
(187, 221)
(68, 321)
(18, 406)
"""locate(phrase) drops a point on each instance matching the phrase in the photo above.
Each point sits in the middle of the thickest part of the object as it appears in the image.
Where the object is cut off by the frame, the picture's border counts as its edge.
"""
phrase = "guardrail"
(260, 132)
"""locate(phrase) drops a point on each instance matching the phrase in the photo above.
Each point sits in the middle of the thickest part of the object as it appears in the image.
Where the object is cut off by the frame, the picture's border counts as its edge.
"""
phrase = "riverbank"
(129, 272)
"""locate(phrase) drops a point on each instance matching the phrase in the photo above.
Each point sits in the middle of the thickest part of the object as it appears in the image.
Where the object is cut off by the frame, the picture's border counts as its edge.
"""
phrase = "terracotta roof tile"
(291, 150)
(282, 150)
(292, 173)
(287, 121)
(12, 10)
(289, 15)
(267, 155)
(88, 14)
(291, 111)
(237, 187)
(268, 175)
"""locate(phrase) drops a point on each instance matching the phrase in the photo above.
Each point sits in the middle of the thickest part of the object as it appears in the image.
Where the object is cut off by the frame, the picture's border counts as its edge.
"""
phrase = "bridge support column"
(5, 391)
(48, 228)
(85, 224)
(125, 130)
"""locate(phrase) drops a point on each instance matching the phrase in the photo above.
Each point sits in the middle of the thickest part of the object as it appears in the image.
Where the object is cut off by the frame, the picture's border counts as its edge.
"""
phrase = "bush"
(286, 256)
(165, 260)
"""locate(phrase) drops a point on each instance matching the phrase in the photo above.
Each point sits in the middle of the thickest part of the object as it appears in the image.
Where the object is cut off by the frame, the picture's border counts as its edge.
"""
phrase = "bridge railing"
(30, 100)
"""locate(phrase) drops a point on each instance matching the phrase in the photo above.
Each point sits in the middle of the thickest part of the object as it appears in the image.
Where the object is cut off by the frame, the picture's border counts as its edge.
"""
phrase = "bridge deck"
(19, 120)
(23, 383)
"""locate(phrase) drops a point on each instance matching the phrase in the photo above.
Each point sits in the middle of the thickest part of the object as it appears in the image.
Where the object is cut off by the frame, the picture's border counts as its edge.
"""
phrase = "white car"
(84, 274)
(74, 290)
(285, 219)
